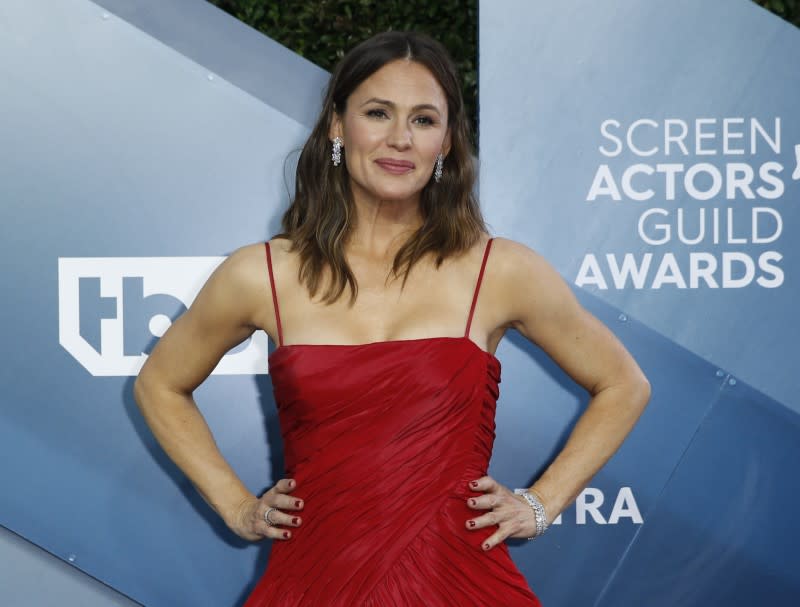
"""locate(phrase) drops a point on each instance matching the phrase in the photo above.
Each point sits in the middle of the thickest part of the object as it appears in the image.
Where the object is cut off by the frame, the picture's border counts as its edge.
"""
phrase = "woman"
(386, 299)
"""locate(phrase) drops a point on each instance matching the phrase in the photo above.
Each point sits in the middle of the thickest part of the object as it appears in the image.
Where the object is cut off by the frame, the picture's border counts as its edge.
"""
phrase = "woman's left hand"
(511, 513)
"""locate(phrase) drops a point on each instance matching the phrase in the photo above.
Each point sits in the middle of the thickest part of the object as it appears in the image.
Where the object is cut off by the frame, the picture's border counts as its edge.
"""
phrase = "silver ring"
(269, 521)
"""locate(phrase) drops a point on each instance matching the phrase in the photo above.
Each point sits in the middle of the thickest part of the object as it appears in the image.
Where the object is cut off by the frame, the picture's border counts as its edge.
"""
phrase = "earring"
(437, 172)
(336, 153)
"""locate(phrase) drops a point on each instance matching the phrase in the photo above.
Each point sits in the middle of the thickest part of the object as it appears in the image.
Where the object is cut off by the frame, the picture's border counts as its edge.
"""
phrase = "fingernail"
(473, 503)
(286, 534)
(486, 546)
(472, 523)
(298, 504)
(295, 520)
(474, 484)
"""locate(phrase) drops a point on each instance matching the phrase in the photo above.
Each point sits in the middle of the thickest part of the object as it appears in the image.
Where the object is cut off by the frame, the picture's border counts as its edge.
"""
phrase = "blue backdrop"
(144, 141)
(650, 152)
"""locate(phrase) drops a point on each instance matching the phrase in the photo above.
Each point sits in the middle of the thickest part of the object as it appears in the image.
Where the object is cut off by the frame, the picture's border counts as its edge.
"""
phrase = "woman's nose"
(400, 135)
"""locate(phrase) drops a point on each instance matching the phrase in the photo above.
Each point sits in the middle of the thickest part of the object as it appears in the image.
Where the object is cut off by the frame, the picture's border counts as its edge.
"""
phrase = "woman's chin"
(389, 190)
(397, 194)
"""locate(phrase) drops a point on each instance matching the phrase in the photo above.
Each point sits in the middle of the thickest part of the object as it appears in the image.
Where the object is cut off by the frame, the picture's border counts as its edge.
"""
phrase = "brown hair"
(319, 218)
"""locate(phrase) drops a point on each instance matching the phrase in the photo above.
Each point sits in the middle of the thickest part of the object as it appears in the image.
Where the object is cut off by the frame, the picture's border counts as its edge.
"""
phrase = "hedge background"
(788, 9)
(323, 30)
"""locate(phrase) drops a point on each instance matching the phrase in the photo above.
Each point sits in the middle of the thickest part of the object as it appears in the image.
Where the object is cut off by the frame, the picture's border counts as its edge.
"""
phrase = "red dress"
(383, 439)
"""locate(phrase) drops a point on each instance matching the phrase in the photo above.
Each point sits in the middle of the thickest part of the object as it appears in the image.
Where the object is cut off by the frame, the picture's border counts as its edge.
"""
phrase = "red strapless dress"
(383, 439)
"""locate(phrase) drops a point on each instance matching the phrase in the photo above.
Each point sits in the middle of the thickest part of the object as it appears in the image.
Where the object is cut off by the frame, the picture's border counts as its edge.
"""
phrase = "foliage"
(788, 9)
(323, 30)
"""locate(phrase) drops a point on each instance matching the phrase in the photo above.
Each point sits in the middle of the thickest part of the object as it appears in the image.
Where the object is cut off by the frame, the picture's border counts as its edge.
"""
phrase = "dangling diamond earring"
(437, 172)
(336, 153)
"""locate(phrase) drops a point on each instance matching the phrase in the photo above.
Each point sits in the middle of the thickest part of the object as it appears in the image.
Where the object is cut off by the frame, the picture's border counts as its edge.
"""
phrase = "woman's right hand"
(250, 523)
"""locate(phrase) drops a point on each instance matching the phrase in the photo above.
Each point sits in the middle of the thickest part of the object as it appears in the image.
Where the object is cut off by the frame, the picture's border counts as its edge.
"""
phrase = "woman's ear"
(446, 143)
(335, 129)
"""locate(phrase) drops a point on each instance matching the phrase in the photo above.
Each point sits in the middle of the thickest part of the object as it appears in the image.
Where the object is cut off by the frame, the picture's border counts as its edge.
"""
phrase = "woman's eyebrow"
(391, 104)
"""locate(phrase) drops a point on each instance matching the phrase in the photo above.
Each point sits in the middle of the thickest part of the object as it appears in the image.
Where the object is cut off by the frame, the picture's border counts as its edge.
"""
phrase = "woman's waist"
(374, 484)
(387, 468)
(343, 511)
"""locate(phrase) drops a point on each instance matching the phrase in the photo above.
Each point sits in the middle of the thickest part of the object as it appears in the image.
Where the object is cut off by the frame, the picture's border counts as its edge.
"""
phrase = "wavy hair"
(319, 219)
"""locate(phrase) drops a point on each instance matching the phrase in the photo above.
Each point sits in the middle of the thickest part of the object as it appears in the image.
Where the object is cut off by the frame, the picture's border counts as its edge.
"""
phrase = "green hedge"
(323, 30)
(788, 9)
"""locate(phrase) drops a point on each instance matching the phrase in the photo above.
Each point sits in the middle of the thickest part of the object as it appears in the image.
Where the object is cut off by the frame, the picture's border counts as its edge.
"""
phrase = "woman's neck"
(382, 227)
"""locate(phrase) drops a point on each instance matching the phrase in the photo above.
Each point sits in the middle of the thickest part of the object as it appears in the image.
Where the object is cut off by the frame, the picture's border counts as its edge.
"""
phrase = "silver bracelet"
(538, 510)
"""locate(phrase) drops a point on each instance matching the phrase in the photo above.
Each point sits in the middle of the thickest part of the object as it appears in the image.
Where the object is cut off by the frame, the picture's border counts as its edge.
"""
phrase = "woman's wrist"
(229, 504)
(540, 514)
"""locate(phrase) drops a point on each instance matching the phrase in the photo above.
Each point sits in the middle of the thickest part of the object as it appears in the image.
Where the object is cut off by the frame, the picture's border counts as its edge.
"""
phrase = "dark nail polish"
(473, 503)
(294, 520)
(286, 534)
(474, 484)
(486, 546)
(472, 523)
(298, 503)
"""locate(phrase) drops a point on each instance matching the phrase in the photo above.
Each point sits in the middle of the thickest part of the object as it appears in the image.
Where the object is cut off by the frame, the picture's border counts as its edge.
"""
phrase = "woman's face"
(394, 125)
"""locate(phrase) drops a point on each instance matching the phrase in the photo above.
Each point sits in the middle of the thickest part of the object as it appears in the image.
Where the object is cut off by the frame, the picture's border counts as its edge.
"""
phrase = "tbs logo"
(112, 310)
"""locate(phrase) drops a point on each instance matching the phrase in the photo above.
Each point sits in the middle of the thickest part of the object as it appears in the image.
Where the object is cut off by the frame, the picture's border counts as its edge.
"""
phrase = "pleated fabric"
(383, 439)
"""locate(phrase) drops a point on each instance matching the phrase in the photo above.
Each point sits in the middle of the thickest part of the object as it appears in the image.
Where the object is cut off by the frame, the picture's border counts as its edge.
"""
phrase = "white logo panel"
(128, 301)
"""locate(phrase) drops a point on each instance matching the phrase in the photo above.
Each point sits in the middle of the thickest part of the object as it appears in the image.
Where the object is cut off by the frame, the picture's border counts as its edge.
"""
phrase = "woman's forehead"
(403, 83)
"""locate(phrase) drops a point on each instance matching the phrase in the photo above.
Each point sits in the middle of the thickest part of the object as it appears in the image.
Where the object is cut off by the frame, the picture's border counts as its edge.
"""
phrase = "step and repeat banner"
(651, 152)
(647, 151)
(127, 172)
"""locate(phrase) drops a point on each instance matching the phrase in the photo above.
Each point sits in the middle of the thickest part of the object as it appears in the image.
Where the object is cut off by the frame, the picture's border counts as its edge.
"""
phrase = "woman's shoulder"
(521, 276)
(505, 260)
(247, 267)
(516, 271)
(511, 257)
(246, 272)
(259, 254)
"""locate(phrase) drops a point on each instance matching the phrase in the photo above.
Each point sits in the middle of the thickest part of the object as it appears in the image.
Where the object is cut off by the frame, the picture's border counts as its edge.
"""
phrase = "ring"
(269, 521)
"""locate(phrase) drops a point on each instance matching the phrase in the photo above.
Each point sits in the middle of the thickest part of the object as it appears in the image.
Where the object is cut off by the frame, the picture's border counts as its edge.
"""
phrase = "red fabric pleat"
(382, 440)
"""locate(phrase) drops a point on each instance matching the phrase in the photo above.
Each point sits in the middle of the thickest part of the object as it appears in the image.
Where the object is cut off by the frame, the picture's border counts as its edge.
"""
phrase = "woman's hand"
(250, 523)
(509, 512)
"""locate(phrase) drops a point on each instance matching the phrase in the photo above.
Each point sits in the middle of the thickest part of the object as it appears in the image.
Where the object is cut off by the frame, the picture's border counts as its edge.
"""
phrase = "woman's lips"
(396, 167)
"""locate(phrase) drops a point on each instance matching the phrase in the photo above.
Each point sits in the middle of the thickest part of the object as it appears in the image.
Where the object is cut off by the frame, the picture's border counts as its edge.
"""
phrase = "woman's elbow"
(140, 389)
(641, 389)
(145, 385)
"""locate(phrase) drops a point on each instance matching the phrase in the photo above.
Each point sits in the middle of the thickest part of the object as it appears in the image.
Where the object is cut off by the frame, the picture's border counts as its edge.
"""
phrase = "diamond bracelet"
(538, 510)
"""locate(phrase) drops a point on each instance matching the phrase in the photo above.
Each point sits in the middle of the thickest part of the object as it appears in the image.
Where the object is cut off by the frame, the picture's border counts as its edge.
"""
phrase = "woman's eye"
(376, 113)
(424, 120)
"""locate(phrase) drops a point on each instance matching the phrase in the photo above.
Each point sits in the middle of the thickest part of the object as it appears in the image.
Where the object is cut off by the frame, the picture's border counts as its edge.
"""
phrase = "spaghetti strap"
(274, 295)
(478, 286)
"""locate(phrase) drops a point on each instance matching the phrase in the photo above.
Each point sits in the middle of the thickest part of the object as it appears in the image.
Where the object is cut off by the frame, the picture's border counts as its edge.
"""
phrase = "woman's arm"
(546, 312)
(533, 298)
(227, 310)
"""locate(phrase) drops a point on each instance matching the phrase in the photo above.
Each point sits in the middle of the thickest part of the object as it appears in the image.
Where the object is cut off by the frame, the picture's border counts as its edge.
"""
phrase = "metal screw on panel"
(720, 372)
(623, 318)
(731, 382)
(71, 558)
(211, 76)
(105, 15)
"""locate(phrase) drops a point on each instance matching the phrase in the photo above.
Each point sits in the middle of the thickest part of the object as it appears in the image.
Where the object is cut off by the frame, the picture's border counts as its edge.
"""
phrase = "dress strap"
(478, 286)
(274, 295)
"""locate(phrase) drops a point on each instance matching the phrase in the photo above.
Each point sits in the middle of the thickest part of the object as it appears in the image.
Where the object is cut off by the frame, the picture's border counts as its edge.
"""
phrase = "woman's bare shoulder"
(245, 266)
(246, 272)
(246, 269)
(520, 277)
(511, 259)
(250, 263)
